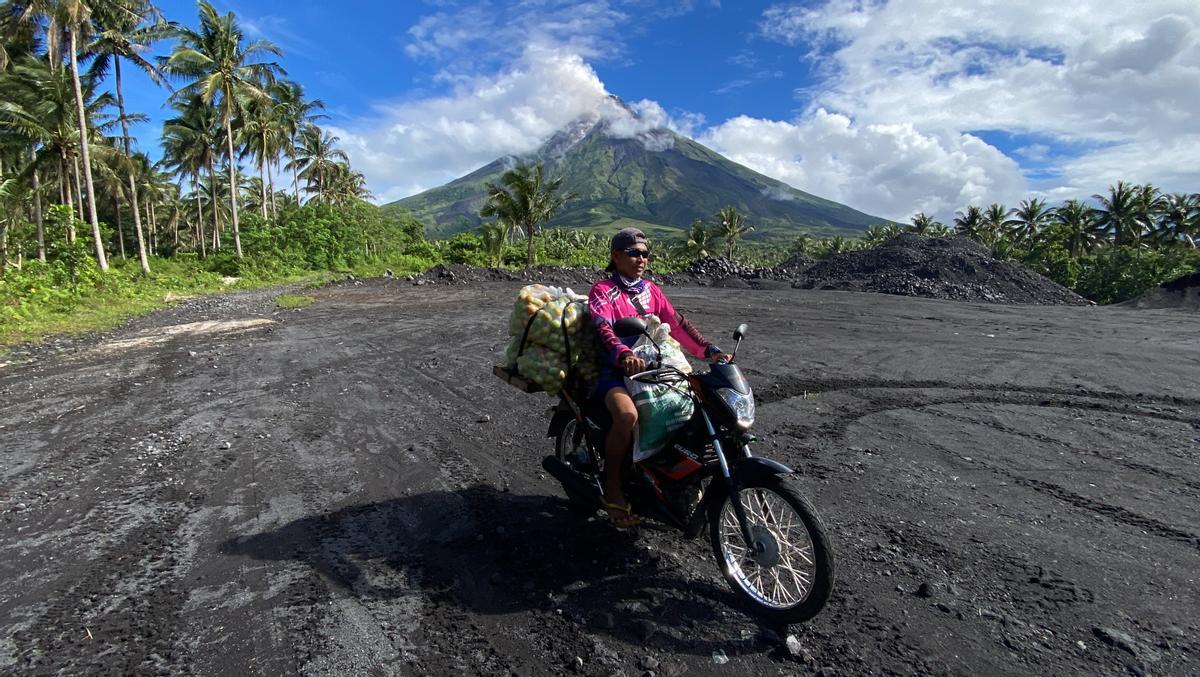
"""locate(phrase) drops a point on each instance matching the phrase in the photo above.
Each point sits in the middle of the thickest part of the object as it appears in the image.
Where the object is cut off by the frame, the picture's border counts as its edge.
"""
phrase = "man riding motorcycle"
(626, 294)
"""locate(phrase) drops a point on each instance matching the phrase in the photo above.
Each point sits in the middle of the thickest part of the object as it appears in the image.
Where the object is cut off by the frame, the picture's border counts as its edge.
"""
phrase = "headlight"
(741, 406)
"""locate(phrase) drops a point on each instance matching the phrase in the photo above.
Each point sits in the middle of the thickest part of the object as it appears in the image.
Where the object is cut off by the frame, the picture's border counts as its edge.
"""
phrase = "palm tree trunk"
(153, 226)
(271, 181)
(233, 184)
(64, 185)
(262, 182)
(75, 176)
(295, 174)
(212, 192)
(133, 193)
(120, 231)
(199, 218)
(63, 180)
(101, 260)
(37, 208)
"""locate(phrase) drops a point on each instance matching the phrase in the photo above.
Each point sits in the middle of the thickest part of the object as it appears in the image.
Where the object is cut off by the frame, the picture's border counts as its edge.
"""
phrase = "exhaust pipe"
(578, 487)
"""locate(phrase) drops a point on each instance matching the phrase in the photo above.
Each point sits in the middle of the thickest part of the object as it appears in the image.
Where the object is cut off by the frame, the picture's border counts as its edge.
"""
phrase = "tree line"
(65, 138)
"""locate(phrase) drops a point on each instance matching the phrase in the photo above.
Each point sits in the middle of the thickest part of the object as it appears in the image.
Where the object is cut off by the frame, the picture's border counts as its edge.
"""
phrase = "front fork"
(730, 485)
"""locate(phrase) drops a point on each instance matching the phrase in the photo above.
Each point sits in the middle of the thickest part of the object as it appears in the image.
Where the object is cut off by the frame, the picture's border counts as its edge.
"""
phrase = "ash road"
(230, 488)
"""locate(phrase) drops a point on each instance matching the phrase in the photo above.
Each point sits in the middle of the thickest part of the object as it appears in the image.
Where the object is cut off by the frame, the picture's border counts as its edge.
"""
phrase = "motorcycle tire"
(790, 581)
(564, 446)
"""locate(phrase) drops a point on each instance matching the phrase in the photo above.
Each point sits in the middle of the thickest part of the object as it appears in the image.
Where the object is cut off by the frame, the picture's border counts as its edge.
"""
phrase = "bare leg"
(618, 444)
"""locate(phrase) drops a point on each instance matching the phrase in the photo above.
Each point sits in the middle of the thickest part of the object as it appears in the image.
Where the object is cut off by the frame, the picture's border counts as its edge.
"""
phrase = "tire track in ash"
(1108, 511)
(1089, 451)
(889, 396)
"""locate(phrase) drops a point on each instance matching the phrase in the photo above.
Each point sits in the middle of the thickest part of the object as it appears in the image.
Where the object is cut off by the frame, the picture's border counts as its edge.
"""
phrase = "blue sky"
(890, 106)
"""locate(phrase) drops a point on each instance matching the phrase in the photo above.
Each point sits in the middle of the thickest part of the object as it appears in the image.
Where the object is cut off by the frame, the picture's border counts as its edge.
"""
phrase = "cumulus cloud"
(889, 170)
(407, 147)
(1122, 79)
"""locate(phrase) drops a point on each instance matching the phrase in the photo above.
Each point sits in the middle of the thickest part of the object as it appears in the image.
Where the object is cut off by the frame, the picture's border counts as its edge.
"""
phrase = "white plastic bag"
(662, 408)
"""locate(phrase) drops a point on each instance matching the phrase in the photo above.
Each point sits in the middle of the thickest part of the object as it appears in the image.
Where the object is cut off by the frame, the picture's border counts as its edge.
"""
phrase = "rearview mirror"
(740, 332)
(629, 326)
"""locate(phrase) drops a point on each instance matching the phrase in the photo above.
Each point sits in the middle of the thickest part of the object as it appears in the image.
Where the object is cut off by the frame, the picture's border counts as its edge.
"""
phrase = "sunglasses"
(635, 253)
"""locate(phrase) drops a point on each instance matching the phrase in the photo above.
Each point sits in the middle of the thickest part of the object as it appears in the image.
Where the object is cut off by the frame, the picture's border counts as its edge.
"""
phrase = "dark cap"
(627, 237)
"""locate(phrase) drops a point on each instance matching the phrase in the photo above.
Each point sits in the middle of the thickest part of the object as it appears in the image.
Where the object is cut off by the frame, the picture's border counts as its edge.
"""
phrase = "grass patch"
(35, 304)
(294, 301)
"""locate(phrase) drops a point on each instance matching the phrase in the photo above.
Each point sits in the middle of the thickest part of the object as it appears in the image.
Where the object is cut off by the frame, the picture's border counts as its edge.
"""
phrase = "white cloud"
(408, 147)
(888, 170)
(1121, 79)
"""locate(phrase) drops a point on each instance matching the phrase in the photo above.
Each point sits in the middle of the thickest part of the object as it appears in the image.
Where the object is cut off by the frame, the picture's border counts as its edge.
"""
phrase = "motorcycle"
(768, 540)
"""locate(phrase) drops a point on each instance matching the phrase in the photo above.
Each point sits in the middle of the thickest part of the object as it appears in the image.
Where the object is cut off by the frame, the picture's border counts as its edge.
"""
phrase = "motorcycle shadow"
(494, 553)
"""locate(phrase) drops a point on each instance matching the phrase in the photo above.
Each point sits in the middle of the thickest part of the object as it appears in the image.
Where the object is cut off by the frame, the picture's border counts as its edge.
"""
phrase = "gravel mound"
(1182, 293)
(954, 268)
(455, 273)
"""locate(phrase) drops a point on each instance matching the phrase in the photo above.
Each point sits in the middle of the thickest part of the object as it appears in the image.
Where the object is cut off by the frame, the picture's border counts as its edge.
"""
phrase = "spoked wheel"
(788, 573)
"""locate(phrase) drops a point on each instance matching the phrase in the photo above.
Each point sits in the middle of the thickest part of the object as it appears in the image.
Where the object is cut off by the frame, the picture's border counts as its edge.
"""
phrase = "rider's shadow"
(492, 552)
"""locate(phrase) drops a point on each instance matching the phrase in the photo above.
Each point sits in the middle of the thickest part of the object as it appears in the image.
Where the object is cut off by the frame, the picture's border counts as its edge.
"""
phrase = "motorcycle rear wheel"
(567, 445)
(790, 580)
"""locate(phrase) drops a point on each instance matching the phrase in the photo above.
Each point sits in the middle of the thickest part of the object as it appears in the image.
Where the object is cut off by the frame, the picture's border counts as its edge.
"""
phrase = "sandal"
(629, 520)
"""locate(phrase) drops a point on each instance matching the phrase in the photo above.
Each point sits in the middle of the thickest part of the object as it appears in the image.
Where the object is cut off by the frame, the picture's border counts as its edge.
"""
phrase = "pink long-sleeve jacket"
(608, 302)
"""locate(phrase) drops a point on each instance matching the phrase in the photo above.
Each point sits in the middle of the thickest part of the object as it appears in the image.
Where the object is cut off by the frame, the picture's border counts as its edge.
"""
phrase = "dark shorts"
(609, 379)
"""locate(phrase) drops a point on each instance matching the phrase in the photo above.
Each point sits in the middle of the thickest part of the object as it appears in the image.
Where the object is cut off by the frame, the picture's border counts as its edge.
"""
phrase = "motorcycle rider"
(626, 294)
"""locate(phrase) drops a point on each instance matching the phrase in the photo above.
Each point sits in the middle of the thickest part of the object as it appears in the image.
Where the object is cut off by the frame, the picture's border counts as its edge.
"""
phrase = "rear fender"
(559, 421)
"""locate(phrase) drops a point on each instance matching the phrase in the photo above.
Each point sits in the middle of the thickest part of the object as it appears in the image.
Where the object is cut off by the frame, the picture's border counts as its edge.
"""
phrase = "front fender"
(745, 472)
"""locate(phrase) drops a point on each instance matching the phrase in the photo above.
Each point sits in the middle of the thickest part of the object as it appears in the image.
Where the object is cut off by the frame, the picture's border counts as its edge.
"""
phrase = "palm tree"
(294, 115)
(1121, 213)
(1079, 224)
(1027, 220)
(188, 142)
(493, 235)
(731, 226)
(223, 71)
(1180, 219)
(803, 244)
(258, 134)
(122, 32)
(526, 199)
(993, 221)
(72, 17)
(971, 223)
(922, 223)
(316, 157)
(38, 104)
(878, 233)
(699, 241)
(346, 186)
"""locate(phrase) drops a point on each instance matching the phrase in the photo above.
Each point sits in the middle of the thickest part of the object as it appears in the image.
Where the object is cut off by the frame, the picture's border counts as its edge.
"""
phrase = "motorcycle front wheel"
(788, 575)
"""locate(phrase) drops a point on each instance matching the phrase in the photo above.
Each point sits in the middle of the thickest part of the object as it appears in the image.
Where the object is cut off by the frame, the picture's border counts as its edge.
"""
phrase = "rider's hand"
(720, 357)
(632, 364)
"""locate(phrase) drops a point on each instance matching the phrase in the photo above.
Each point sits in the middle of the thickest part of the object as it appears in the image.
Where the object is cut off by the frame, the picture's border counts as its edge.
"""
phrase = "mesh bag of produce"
(557, 320)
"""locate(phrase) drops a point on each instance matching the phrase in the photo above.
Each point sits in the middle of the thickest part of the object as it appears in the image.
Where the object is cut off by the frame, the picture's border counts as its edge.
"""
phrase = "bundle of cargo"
(553, 341)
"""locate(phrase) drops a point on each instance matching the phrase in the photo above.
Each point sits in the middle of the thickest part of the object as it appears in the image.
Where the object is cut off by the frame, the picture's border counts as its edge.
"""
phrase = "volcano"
(625, 172)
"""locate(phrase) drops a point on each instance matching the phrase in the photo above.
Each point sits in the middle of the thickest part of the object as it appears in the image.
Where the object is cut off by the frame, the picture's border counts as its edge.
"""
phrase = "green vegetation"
(1135, 238)
(294, 301)
(523, 200)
